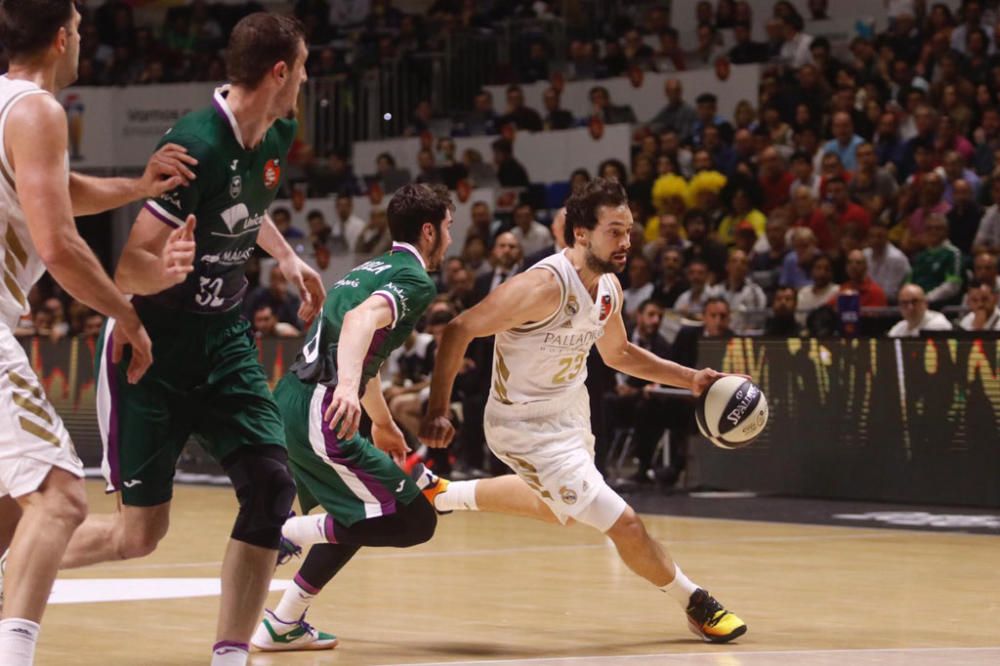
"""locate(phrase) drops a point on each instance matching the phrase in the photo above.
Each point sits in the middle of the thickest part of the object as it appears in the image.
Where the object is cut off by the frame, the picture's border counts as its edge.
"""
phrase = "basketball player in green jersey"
(206, 379)
(367, 499)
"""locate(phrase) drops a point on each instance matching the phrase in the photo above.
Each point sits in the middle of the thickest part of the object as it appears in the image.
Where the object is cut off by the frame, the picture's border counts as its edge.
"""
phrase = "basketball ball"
(732, 412)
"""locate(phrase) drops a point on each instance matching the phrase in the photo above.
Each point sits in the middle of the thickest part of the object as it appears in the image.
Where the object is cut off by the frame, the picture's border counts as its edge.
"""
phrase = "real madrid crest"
(235, 187)
(572, 306)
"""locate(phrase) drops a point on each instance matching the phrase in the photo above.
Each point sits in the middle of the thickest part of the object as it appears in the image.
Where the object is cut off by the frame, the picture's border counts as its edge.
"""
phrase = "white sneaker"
(276, 635)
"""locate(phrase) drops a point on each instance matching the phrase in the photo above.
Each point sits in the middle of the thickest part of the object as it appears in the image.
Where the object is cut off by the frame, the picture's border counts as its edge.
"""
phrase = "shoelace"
(306, 627)
(287, 550)
(707, 612)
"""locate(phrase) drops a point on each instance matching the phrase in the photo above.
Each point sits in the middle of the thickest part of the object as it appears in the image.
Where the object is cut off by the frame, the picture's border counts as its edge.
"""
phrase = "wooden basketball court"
(491, 589)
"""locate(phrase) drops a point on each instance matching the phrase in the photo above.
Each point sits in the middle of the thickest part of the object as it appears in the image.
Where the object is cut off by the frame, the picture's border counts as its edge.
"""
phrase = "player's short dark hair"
(258, 42)
(582, 207)
(27, 27)
(415, 205)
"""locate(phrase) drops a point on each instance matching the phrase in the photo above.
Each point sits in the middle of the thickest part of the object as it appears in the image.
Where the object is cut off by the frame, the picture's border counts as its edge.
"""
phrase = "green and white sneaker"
(276, 635)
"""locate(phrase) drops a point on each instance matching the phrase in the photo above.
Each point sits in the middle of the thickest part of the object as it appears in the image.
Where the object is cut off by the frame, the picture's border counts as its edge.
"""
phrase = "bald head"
(506, 250)
(912, 304)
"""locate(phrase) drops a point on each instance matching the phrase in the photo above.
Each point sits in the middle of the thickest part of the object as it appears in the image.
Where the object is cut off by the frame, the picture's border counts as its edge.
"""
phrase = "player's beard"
(598, 265)
(434, 256)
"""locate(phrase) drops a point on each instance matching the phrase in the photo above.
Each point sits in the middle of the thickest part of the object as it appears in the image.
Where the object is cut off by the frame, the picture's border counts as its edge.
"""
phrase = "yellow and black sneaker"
(708, 620)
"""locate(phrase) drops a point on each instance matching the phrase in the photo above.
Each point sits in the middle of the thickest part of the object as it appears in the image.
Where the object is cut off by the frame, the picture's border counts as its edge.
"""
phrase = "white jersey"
(21, 265)
(547, 360)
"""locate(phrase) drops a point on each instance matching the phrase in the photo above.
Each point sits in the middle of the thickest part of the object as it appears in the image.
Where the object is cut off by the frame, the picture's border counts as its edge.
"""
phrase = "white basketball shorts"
(33, 438)
(550, 445)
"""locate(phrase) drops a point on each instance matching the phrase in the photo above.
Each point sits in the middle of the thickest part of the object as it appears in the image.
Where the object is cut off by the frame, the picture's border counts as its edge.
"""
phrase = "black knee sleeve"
(422, 521)
(411, 524)
(265, 490)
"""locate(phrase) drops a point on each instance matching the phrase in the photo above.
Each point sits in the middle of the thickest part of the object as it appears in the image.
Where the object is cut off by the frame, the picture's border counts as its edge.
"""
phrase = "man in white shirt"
(795, 51)
(887, 264)
(817, 294)
(916, 316)
(988, 235)
(983, 312)
(746, 299)
(346, 225)
(691, 303)
(532, 234)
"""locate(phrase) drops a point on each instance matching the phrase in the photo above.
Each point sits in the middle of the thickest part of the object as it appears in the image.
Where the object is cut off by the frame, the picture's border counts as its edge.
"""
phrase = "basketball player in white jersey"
(41, 491)
(538, 416)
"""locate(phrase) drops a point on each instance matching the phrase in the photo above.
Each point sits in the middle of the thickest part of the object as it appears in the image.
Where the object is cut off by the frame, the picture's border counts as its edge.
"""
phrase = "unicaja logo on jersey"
(272, 174)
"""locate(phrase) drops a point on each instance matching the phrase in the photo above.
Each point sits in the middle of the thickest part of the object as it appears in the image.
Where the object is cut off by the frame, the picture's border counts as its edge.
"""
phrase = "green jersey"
(230, 198)
(401, 278)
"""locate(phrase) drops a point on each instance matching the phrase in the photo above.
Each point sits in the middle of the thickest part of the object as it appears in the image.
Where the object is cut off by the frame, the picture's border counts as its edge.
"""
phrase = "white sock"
(460, 496)
(680, 588)
(17, 642)
(306, 530)
(294, 603)
(230, 653)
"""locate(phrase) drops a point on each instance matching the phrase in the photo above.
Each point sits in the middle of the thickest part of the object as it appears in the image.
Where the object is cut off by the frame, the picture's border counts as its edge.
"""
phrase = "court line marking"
(405, 554)
(713, 654)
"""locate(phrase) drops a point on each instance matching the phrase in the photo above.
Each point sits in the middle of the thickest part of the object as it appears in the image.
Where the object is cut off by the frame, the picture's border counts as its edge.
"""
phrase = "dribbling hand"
(706, 377)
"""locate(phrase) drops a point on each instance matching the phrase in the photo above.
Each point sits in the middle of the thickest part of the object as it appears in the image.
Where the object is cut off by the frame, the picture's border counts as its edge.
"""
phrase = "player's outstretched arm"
(529, 297)
(36, 146)
(356, 335)
(620, 353)
(296, 271)
(168, 169)
(156, 256)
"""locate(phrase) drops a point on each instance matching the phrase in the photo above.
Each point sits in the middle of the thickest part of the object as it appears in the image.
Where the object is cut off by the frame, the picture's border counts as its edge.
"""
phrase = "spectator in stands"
(428, 172)
(322, 261)
(887, 264)
(507, 256)
(952, 170)
(677, 115)
(390, 177)
(889, 147)
(742, 210)
(770, 250)
(844, 142)
(671, 283)
(983, 314)
(964, 216)
(558, 233)
(782, 322)
(282, 219)
(519, 115)
(710, 251)
(475, 254)
(375, 238)
(984, 269)
(691, 303)
(859, 282)
(988, 235)
(482, 120)
(92, 325)
(283, 303)
(640, 188)
(319, 230)
(332, 176)
(715, 325)
(822, 289)
(745, 298)
(708, 47)
(668, 235)
(631, 403)
(871, 186)
(610, 114)
(669, 57)
(532, 235)
(637, 53)
(805, 175)
(420, 121)
(583, 63)
(774, 179)
(450, 169)
(916, 316)
(556, 118)
(266, 325)
(480, 173)
(347, 226)
(510, 172)
(972, 21)
(841, 213)
(795, 50)
(808, 215)
(938, 268)
(462, 291)
(640, 287)
(745, 50)
(484, 224)
(797, 265)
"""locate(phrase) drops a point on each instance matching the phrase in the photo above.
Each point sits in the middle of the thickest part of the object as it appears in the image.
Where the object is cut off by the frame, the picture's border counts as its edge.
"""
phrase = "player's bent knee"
(140, 531)
(606, 511)
(265, 491)
(628, 527)
(423, 522)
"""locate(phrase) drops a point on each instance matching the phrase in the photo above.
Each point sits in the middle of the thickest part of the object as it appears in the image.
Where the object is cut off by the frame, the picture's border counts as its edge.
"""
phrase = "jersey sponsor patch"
(605, 306)
(272, 174)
